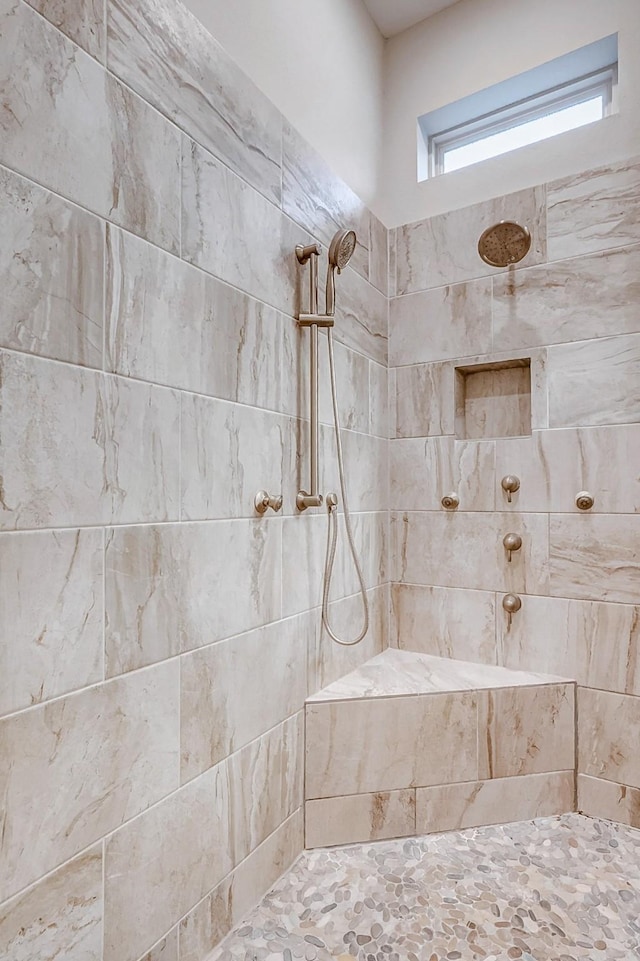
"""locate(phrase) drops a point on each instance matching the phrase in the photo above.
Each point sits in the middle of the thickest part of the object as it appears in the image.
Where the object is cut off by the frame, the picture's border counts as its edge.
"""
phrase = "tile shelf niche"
(493, 400)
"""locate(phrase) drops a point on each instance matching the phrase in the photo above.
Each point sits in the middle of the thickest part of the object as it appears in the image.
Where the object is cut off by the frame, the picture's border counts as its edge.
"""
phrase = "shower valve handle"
(263, 501)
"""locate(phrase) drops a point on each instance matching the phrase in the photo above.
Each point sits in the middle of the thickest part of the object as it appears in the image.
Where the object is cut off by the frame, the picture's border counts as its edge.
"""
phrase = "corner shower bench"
(412, 744)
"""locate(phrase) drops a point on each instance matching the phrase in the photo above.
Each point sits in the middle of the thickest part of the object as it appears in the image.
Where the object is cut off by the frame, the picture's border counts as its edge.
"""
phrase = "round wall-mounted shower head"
(504, 243)
(341, 248)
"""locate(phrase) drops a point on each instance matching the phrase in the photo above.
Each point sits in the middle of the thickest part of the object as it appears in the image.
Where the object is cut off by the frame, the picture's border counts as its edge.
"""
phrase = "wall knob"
(511, 603)
(450, 501)
(510, 484)
(512, 542)
(585, 500)
(263, 501)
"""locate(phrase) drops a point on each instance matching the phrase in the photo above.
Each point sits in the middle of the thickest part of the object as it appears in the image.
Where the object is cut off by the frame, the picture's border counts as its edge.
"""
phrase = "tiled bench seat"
(410, 744)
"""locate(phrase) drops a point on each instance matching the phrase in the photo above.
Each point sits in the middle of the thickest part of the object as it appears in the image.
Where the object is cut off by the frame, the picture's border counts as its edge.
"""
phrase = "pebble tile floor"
(553, 889)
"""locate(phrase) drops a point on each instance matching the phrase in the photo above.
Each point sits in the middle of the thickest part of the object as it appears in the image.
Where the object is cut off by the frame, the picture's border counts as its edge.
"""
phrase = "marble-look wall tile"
(367, 746)
(424, 400)
(228, 453)
(174, 588)
(608, 725)
(449, 549)
(605, 799)
(595, 558)
(493, 401)
(587, 297)
(444, 621)
(100, 449)
(173, 324)
(362, 316)
(365, 465)
(204, 92)
(61, 917)
(526, 730)
(455, 807)
(98, 757)
(392, 247)
(165, 950)
(443, 249)
(267, 785)
(450, 322)
(555, 465)
(158, 867)
(234, 691)
(598, 644)
(320, 201)
(51, 274)
(82, 20)
(423, 470)
(329, 661)
(51, 615)
(611, 369)
(303, 551)
(352, 380)
(72, 127)
(379, 411)
(594, 210)
(378, 254)
(227, 905)
(360, 817)
(224, 220)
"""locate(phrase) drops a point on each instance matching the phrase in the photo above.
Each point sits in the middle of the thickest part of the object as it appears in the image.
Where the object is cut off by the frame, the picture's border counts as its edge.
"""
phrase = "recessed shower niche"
(493, 400)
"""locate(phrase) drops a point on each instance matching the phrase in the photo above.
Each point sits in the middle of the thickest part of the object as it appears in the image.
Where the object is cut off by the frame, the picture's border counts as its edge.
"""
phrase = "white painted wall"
(473, 45)
(321, 63)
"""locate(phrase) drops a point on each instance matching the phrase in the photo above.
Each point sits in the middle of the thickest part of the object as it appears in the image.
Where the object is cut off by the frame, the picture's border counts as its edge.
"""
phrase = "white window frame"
(600, 82)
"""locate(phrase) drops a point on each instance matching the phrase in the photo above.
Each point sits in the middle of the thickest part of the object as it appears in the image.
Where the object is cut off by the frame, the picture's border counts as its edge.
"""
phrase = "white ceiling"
(394, 16)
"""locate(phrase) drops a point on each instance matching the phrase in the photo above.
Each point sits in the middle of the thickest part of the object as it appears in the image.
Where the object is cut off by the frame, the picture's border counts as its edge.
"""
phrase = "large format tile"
(423, 470)
(452, 807)
(610, 367)
(605, 799)
(100, 449)
(352, 382)
(232, 231)
(174, 588)
(204, 927)
(526, 730)
(165, 950)
(594, 210)
(329, 661)
(51, 615)
(592, 642)
(83, 21)
(608, 726)
(362, 316)
(164, 53)
(359, 817)
(365, 466)
(72, 127)
(554, 465)
(424, 400)
(158, 867)
(61, 917)
(228, 453)
(378, 254)
(379, 408)
(171, 323)
(449, 549)
(579, 299)
(367, 746)
(51, 274)
(445, 622)
(453, 321)
(234, 691)
(594, 557)
(98, 757)
(443, 249)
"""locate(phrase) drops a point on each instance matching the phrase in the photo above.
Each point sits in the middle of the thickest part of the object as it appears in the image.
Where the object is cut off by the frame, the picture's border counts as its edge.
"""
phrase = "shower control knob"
(512, 542)
(510, 484)
(511, 604)
(450, 501)
(263, 501)
(585, 500)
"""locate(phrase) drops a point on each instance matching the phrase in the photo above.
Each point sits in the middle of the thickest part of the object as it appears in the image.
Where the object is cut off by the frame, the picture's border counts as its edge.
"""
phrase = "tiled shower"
(158, 639)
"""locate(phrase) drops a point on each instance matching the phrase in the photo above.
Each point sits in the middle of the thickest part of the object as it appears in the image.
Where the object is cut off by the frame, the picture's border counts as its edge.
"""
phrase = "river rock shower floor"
(554, 889)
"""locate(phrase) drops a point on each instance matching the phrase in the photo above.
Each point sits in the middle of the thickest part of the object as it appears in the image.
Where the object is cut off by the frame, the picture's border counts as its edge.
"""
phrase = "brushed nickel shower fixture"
(585, 500)
(504, 243)
(341, 250)
(511, 543)
(510, 484)
(511, 604)
(263, 501)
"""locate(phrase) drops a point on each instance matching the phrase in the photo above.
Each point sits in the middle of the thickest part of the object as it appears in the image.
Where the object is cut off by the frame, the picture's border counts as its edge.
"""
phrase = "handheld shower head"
(341, 251)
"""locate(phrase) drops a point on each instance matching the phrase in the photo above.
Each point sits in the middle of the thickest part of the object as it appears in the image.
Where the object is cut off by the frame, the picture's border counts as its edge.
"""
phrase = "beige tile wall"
(573, 306)
(157, 637)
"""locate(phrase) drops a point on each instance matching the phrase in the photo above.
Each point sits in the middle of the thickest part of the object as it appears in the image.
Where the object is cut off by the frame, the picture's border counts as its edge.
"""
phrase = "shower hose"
(332, 528)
